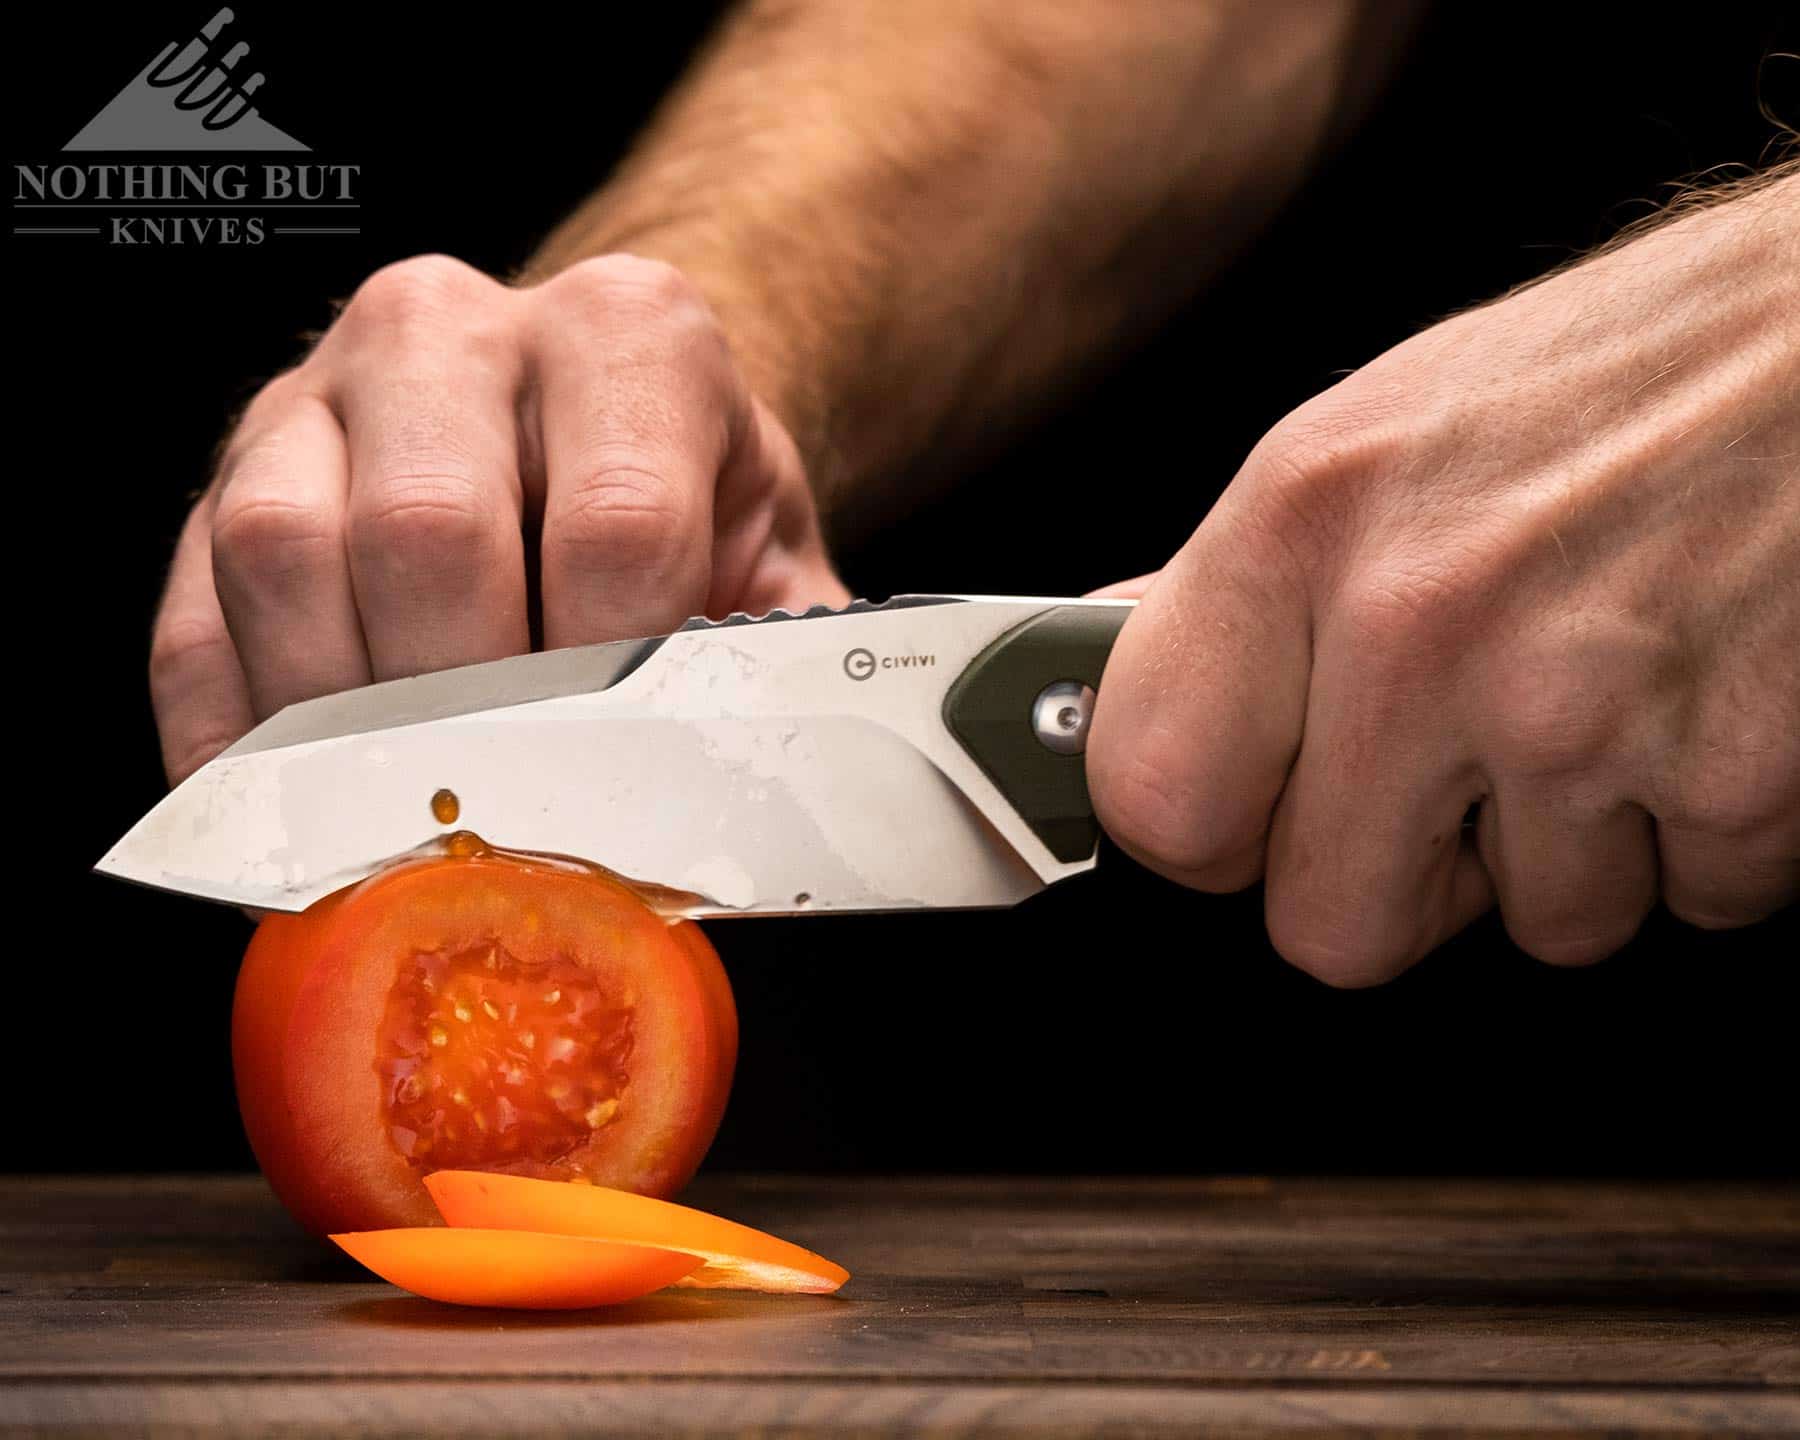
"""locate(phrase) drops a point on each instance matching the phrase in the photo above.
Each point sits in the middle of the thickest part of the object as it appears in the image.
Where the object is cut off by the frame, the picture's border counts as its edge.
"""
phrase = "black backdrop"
(1116, 1023)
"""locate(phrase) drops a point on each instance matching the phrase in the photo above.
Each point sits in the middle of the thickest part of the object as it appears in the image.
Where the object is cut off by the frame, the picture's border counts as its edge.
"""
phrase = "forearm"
(912, 220)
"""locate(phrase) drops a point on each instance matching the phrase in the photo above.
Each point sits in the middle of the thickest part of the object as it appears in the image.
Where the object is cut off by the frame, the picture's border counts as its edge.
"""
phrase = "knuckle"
(426, 287)
(1342, 961)
(182, 647)
(1742, 782)
(191, 661)
(263, 539)
(1401, 623)
(1704, 917)
(1713, 912)
(624, 520)
(1568, 946)
(1546, 724)
(1325, 442)
(1339, 945)
(618, 291)
(629, 278)
(277, 398)
(1160, 818)
(422, 524)
(1315, 465)
(1724, 800)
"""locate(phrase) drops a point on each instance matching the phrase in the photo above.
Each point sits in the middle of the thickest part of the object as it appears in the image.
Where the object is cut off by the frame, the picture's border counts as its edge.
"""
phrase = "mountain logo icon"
(188, 98)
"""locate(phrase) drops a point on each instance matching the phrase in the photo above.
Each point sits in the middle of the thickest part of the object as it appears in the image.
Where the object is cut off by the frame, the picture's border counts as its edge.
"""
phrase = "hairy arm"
(914, 219)
(859, 230)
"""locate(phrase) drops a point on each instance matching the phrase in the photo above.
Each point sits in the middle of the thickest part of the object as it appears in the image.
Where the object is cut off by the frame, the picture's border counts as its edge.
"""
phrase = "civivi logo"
(861, 664)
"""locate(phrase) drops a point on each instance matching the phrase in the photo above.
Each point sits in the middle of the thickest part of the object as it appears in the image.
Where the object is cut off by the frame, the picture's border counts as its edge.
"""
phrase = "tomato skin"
(516, 1269)
(721, 1010)
(735, 1256)
(307, 1022)
(269, 980)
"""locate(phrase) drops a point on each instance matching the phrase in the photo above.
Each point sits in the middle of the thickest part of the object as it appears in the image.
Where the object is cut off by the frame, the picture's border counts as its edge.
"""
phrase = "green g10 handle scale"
(1021, 710)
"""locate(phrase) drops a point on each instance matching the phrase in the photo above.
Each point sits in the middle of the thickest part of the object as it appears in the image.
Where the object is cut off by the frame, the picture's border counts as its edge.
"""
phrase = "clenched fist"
(1539, 565)
(455, 452)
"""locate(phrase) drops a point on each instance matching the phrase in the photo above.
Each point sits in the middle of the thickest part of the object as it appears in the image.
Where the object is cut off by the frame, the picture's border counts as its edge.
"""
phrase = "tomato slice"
(477, 1010)
(514, 1269)
(737, 1257)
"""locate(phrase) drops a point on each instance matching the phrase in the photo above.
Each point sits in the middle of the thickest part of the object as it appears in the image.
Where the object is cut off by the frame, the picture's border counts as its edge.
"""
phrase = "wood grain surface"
(177, 1306)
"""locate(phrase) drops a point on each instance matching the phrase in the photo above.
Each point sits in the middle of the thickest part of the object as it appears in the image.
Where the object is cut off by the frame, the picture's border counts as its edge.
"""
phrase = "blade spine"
(641, 649)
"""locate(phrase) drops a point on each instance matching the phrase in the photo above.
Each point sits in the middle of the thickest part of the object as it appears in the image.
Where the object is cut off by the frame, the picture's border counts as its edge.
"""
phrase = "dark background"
(1115, 1023)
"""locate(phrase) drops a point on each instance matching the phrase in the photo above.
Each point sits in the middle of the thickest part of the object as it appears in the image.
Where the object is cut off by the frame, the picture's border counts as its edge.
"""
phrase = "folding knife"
(924, 753)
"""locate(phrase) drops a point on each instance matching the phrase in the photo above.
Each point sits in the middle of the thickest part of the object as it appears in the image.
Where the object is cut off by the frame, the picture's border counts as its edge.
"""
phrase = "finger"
(1368, 859)
(1574, 879)
(1722, 881)
(197, 686)
(1728, 808)
(1369, 863)
(428, 398)
(1200, 709)
(279, 562)
(768, 549)
(641, 410)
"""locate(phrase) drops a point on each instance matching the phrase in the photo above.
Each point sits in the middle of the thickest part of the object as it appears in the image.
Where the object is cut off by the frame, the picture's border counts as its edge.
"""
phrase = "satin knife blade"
(923, 753)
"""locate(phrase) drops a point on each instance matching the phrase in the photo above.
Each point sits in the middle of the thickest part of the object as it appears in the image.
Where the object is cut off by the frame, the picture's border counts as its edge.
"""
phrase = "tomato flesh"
(485, 1058)
(482, 1011)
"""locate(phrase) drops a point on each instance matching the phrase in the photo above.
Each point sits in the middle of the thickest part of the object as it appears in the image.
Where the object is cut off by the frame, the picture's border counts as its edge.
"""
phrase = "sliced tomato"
(477, 1010)
(513, 1269)
(737, 1257)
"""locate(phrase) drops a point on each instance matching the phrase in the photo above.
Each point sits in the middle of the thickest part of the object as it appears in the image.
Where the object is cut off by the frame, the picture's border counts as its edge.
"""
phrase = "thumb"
(1200, 710)
(1124, 589)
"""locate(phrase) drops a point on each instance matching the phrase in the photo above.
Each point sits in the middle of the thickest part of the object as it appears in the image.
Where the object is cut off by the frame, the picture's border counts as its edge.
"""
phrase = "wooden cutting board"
(1043, 1307)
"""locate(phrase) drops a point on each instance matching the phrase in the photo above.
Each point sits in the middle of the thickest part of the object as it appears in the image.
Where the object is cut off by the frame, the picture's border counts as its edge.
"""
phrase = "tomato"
(477, 1010)
(735, 1256)
(516, 1269)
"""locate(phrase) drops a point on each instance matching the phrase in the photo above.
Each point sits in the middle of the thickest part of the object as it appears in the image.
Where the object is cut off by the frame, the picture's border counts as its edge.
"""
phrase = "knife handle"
(1021, 709)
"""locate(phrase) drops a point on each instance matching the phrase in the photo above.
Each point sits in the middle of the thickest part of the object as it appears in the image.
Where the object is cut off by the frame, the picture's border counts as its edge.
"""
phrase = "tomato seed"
(598, 1115)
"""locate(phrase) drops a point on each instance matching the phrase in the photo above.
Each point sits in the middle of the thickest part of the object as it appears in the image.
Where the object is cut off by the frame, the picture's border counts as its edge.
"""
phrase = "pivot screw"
(1060, 715)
